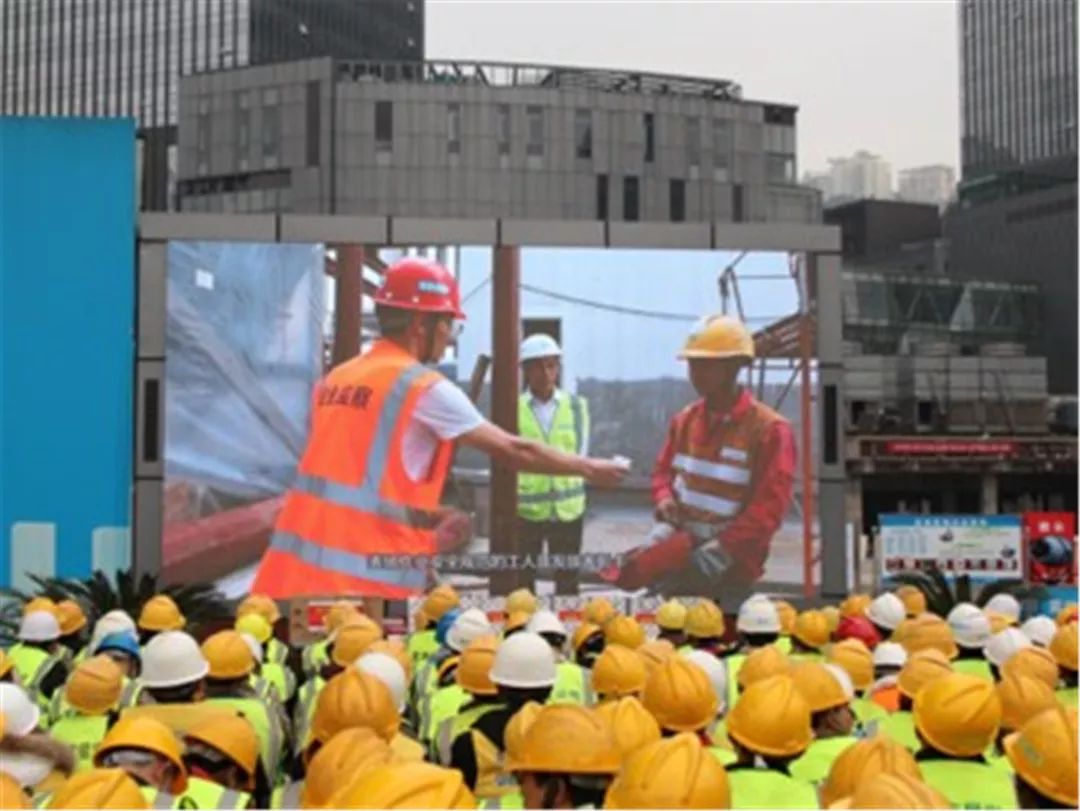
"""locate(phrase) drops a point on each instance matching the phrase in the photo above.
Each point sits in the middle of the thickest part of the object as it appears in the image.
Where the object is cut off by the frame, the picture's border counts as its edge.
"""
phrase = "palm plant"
(97, 594)
(942, 596)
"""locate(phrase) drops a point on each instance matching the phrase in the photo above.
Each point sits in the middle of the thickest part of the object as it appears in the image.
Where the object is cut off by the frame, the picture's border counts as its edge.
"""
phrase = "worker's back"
(969, 784)
(768, 788)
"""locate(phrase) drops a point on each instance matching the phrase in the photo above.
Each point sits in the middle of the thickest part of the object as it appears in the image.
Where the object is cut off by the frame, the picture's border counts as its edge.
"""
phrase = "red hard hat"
(858, 628)
(421, 286)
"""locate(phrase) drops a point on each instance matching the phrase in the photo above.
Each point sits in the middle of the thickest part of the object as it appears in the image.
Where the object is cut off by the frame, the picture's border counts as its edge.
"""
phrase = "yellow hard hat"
(1022, 697)
(718, 336)
(347, 756)
(70, 616)
(680, 696)
(440, 600)
(160, 613)
(893, 791)
(1068, 614)
(41, 604)
(517, 726)
(598, 611)
(855, 658)
(632, 726)
(474, 669)
(259, 604)
(583, 633)
(929, 631)
(920, 669)
(998, 622)
(228, 655)
(352, 639)
(787, 614)
(96, 788)
(864, 760)
(6, 663)
(913, 599)
(396, 648)
(516, 620)
(821, 689)
(566, 739)
(624, 630)
(95, 686)
(812, 629)
(13, 796)
(771, 718)
(149, 735)
(1037, 663)
(232, 736)
(654, 653)
(354, 698)
(855, 605)
(1043, 754)
(677, 772)
(671, 616)
(704, 620)
(832, 616)
(958, 714)
(521, 600)
(763, 663)
(406, 785)
(1063, 646)
(338, 613)
(255, 625)
(618, 671)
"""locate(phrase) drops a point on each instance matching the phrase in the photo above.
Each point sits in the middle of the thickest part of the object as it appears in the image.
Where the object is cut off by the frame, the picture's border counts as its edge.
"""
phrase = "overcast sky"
(873, 75)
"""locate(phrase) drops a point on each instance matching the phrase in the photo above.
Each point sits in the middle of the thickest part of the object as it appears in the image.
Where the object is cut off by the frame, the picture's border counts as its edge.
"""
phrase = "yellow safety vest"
(867, 711)
(970, 785)
(784, 643)
(453, 728)
(899, 726)
(82, 733)
(725, 756)
(315, 657)
(33, 664)
(275, 652)
(420, 647)
(553, 498)
(287, 796)
(973, 667)
(765, 788)
(1067, 696)
(816, 762)
(278, 678)
(265, 722)
(572, 685)
(158, 799)
(734, 662)
(205, 794)
(513, 799)
(436, 707)
(304, 712)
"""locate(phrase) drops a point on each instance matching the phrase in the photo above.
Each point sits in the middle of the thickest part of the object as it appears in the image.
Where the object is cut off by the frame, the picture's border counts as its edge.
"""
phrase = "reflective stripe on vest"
(275, 652)
(315, 657)
(452, 728)
(205, 794)
(264, 721)
(572, 685)
(814, 764)
(304, 712)
(82, 733)
(420, 647)
(129, 696)
(553, 498)
(157, 799)
(436, 707)
(32, 664)
(765, 788)
(338, 535)
(281, 679)
(970, 785)
(287, 796)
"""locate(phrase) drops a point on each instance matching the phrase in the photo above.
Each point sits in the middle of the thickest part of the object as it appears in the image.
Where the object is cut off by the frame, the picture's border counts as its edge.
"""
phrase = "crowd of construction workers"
(875, 703)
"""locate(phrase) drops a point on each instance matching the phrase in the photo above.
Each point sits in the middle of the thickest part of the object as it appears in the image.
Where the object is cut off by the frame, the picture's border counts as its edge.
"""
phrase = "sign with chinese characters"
(985, 547)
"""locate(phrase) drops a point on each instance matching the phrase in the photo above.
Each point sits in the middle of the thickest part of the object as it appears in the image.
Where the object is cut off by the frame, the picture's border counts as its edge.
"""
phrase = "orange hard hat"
(421, 286)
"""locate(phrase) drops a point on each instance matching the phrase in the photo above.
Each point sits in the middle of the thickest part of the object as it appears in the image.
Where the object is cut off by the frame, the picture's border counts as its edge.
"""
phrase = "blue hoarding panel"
(67, 286)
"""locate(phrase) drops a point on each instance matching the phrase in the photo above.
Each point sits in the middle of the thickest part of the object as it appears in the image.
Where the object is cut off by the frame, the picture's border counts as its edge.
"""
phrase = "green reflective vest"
(205, 794)
(514, 799)
(765, 788)
(279, 679)
(159, 799)
(900, 727)
(33, 664)
(973, 667)
(82, 733)
(553, 498)
(287, 795)
(970, 785)
(304, 712)
(734, 663)
(1067, 696)
(725, 756)
(315, 657)
(420, 647)
(784, 643)
(572, 685)
(275, 652)
(265, 722)
(453, 728)
(807, 656)
(439, 705)
(867, 710)
(129, 696)
(814, 764)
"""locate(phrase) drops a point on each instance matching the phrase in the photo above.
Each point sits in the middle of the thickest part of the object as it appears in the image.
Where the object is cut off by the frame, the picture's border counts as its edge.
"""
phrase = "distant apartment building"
(862, 176)
(933, 185)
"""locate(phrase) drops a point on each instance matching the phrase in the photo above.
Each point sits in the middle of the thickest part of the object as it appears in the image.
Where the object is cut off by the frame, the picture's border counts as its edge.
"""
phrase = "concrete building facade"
(934, 185)
(452, 139)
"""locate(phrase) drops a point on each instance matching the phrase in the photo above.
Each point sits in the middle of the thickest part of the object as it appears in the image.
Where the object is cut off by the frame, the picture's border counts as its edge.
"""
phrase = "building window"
(202, 137)
(535, 118)
(677, 200)
(453, 129)
(779, 168)
(503, 113)
(721, 149)
(737, 213)
(630, 199)
(693, 141)
(650, 137)
(313, 129)
(384, 126)
(271, 127)
(601, 197)
(583, 134)
(243, 129)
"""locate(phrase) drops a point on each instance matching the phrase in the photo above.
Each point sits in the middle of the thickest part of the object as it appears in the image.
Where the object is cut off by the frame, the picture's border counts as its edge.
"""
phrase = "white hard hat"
(890, 654)
(546, 622)
(39, 626)
(172, 658)
(21, 714)
(1004, 644)
(1040, 630)
(111, 622)
(841, 675)
(254, 646)
(969, 625)
(1004, 604)
(715, 670)
(471, 624)
(539, 346)
(389, 671)
(886, 610)
(525, 661)
(758, 616)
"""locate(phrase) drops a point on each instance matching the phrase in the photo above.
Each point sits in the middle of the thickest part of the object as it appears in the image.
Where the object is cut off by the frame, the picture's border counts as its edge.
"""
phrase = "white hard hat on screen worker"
(539, 346)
